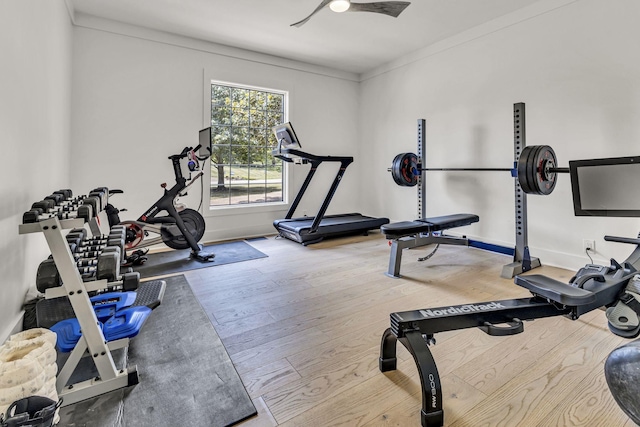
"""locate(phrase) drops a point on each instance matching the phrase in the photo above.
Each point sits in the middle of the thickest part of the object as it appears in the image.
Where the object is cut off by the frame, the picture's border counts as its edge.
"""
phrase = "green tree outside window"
(243, 171)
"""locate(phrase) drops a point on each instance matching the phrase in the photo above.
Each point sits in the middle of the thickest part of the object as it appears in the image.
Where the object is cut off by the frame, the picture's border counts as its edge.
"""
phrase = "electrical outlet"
(589, 245)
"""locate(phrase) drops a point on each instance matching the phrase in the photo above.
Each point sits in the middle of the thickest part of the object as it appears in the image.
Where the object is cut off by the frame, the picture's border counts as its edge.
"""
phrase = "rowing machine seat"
(555, 290)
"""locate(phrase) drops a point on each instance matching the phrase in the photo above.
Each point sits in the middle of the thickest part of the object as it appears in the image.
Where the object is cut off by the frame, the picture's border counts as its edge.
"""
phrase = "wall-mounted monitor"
(286, 136)
(606, 187)
(204, 140)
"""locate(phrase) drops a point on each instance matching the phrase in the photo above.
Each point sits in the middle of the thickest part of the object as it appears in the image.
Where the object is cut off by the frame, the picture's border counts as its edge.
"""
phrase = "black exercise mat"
(186, 376)
(172, 262)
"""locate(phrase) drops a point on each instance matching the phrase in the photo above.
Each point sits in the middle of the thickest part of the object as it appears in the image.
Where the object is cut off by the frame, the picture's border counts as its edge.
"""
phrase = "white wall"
(35, 77)
(138, 98)
(575, 66)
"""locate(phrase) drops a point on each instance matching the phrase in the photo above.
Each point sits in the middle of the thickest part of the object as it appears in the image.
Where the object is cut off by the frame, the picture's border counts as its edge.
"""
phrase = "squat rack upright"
(522, 260)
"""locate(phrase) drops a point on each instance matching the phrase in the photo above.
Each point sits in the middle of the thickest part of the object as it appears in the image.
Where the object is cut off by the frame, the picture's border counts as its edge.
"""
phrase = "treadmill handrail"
(285, 152)
(346, 161)
(315, 161)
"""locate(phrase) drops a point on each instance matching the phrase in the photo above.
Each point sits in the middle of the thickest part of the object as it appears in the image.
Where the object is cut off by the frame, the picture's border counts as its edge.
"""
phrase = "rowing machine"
(592, 287)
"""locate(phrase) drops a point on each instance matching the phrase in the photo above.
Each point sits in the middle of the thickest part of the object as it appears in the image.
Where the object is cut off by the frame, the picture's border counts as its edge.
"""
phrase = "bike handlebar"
(185, 152)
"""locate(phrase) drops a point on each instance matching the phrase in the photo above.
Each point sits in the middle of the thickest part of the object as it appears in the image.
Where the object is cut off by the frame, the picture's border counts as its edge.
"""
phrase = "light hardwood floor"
(303, 329)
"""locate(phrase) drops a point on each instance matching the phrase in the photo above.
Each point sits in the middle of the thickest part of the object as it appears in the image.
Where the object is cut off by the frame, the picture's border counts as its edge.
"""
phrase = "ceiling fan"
(391, 8)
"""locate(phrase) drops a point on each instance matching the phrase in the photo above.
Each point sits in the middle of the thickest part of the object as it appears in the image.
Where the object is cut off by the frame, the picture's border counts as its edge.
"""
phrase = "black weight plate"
(404, 169)
(195, 226)
(396, 167)
(523, 161)
(532, 169)
(545, 182)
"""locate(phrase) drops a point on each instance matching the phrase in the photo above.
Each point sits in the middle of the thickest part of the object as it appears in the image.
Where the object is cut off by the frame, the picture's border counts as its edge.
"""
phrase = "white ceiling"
(354, 41)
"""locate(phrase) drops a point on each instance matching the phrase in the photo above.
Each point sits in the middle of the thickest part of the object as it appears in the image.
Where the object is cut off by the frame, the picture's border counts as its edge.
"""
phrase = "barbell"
(536, 169)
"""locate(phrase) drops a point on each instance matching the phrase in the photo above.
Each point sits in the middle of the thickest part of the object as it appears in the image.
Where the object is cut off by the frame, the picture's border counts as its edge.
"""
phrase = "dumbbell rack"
(92, 343)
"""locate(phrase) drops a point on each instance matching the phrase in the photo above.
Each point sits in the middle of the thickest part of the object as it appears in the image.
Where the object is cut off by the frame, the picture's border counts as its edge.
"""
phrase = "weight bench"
(413, 234)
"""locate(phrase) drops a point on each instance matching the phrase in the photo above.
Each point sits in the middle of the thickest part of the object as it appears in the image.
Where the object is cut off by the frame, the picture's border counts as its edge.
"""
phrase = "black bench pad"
(404, 228)
(427, 225)
(555, 290)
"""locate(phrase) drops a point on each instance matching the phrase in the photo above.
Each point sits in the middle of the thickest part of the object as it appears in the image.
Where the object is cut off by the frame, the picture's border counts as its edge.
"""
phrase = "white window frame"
(249, 208)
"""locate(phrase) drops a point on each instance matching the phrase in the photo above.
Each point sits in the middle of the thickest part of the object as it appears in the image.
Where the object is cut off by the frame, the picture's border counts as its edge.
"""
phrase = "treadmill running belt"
(299, 229)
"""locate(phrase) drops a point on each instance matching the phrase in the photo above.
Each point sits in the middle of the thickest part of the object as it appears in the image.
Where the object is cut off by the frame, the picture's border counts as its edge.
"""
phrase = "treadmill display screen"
(286, 136)
(606, 187)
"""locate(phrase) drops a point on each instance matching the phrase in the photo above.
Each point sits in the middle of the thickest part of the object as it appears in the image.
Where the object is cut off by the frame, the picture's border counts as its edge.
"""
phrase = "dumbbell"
(113, 239)
(62, 205)
(57, 202)
(48, 207)
(82, 232)
(102, 193)
(107, 266)
(93, 252)
(87, 256)
(78, 236)
(60, 200)
(85, 212)
(93, 246)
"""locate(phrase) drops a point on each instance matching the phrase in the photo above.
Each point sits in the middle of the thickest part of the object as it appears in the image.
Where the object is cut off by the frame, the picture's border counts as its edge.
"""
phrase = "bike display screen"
(205, 143)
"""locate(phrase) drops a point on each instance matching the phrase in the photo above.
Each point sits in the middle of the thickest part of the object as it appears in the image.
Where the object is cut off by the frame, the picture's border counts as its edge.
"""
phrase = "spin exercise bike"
(181, 228)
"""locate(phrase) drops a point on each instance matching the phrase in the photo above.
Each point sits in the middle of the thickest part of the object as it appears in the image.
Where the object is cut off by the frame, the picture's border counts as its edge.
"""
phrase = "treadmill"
(308, 230)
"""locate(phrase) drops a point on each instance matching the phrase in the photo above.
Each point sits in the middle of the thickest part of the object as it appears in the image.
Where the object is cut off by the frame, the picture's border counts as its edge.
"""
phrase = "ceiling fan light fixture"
(340, 5)
(390, 8)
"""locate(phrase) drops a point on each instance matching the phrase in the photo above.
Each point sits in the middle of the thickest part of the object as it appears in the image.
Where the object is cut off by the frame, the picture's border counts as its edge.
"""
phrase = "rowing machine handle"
(514, 327)
(622, 240)
(579, 282)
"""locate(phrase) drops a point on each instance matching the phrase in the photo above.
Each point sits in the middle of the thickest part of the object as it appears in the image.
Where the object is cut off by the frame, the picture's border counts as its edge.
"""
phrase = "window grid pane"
(243, 171)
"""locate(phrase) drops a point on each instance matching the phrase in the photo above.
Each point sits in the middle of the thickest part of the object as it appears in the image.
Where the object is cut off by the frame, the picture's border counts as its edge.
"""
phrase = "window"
(243, 171)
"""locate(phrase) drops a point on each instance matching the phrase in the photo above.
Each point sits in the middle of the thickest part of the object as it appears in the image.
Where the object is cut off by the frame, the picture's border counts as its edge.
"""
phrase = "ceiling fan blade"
(323, 4)
(391, 8)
